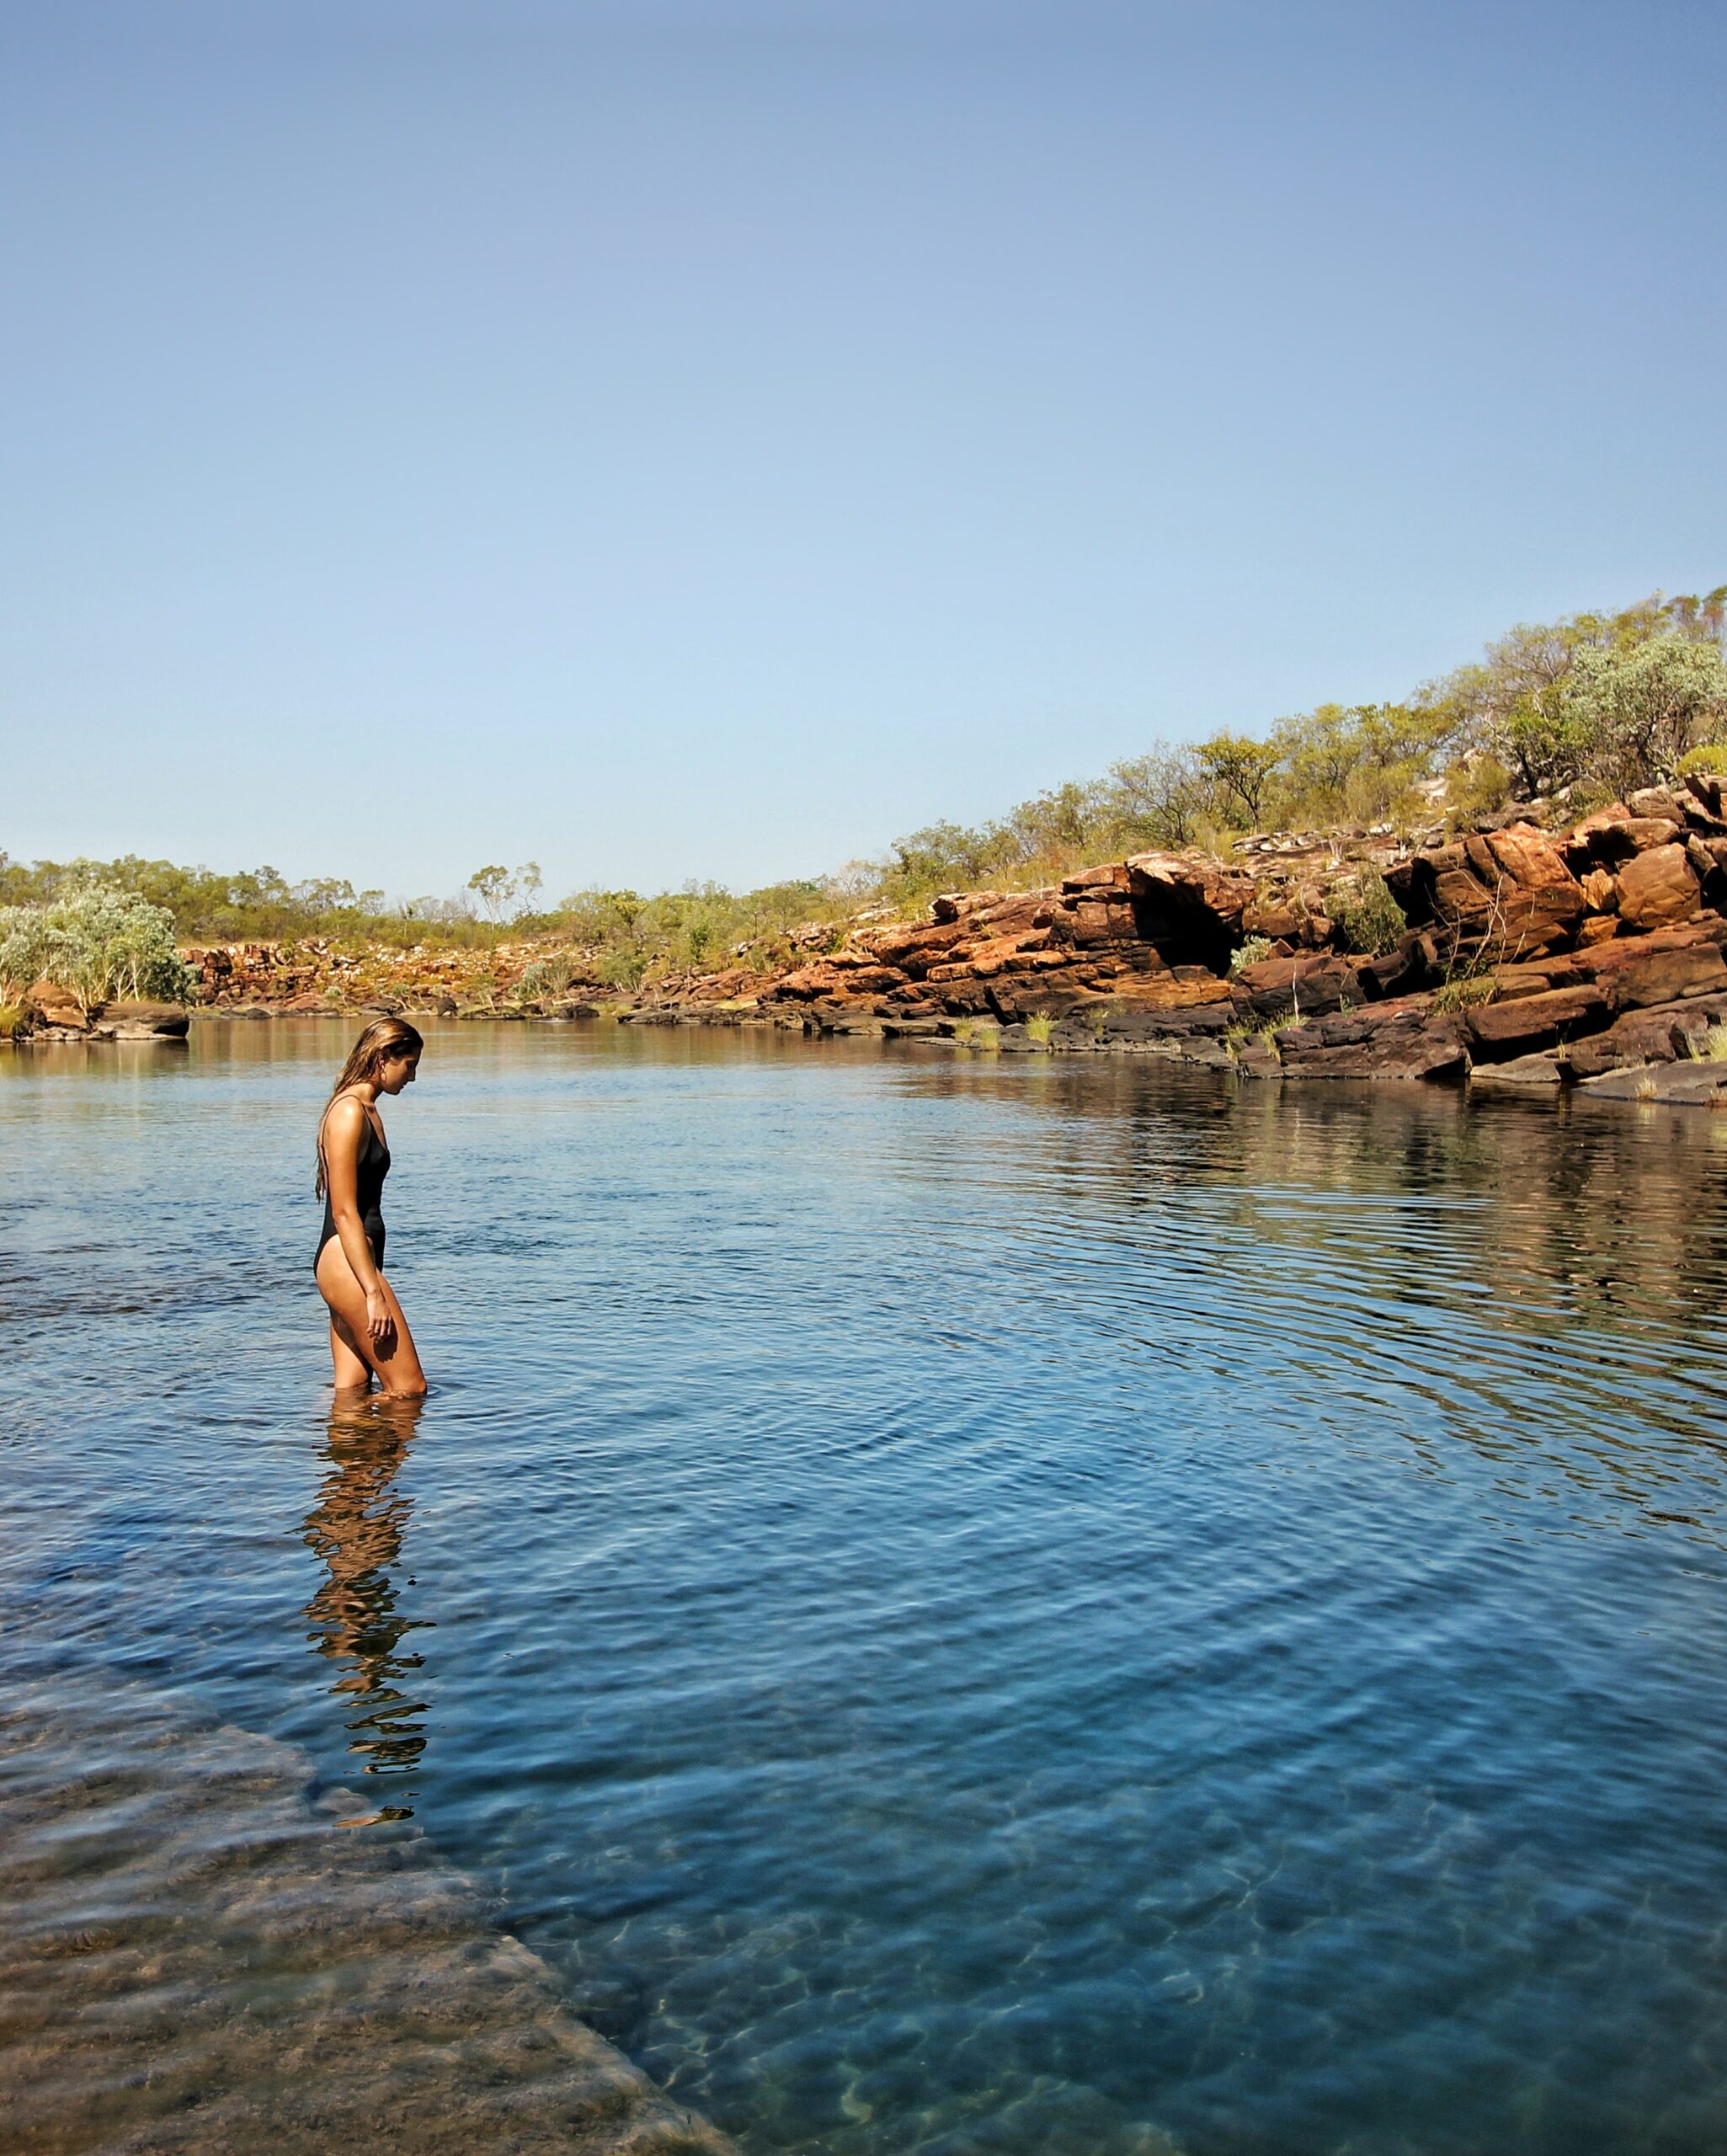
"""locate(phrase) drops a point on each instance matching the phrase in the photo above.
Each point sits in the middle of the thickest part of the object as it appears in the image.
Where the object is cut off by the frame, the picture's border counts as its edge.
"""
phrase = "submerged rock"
(205, 1954)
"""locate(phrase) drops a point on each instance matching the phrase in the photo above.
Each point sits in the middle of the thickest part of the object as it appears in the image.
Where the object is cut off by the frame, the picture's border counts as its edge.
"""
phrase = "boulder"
(140, 1022)
(1523, 1074)
(1675, 1085)
(1113, 876)
(1657, 801)
(1282, 988)
(1657, 888)
(1100, 921)
(1402, 1041)
(1275, 919)
(50, 1005)
(1500, 1030)
(1190, 905)
(1399, 972)
(915, 949)
(1666, 1032)
(1614, 835)
(1511, 982)
(1509, 886)
(1709, 864)
(1704, 790)
(1536, 899)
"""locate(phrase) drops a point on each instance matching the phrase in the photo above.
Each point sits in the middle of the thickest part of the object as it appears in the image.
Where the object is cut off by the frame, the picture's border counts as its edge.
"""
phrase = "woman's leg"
(393, 1357)
(353, 1373)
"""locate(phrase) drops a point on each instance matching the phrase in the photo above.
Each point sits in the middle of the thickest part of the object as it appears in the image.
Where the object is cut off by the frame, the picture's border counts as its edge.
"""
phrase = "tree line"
(1590, 706)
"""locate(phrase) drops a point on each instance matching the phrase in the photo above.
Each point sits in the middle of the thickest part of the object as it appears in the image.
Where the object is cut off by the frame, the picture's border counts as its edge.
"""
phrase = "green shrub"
(1477, 787)
(1253, 952)
(1711, 757)
(1369, 920)
(622, 968)
(12, 1022)
(978, 1033)
(551, 975)
(98, 941)
(1466, 989)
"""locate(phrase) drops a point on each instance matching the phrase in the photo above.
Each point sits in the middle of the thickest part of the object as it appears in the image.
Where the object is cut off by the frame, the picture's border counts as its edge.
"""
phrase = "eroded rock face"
(46, 1003)
(1562, 954)
(1511, 888)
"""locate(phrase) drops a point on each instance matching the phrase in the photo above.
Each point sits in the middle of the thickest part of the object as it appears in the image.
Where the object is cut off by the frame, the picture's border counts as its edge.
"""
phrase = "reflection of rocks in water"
(197, 1960)
(357, 1528)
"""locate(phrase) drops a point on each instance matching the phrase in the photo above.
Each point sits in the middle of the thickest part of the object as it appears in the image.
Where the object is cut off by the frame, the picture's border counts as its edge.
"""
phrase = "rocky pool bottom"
(1056, 1606)
(202, 1949)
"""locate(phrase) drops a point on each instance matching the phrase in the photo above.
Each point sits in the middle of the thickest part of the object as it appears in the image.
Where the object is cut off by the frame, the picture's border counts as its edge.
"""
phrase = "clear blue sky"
(690, 438)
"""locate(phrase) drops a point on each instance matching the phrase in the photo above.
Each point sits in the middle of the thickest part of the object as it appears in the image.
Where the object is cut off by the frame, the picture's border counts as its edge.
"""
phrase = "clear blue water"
(1046, 1607)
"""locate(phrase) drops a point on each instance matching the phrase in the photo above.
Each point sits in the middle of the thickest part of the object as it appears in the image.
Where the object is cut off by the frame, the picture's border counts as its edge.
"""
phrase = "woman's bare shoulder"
(343, 1117)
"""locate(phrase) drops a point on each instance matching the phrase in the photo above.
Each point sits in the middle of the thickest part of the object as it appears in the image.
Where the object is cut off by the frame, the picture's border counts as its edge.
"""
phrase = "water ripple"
(1061, 1609)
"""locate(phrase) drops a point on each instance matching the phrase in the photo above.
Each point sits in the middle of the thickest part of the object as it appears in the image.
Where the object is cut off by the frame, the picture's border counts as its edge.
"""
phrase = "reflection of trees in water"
(356, 1529)
(1619, 1203)
(1544, 1275)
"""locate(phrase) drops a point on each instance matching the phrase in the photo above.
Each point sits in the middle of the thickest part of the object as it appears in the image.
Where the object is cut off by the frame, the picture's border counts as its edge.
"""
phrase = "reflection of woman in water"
(356, 1528)
(368, 1332)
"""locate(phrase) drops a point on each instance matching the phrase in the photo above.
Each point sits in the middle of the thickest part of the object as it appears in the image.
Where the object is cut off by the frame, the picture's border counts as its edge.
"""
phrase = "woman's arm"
(343, 1129)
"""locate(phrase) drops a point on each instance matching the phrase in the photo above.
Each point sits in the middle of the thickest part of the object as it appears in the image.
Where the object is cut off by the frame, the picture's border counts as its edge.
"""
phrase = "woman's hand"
(379, 1323)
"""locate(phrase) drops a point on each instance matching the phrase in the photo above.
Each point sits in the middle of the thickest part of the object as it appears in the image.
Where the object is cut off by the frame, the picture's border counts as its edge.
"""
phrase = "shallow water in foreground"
(1051, 1608)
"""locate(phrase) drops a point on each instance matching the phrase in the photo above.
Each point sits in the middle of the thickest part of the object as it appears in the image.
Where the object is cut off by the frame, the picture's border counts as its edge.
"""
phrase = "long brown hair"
(384, 1041)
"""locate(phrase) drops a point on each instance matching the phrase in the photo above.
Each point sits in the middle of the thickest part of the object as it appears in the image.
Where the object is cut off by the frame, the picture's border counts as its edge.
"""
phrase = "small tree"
(494, 887)
(1546, 738)
(1368, 917)
(1242, 769)
(1642, 708)
(1157, 796)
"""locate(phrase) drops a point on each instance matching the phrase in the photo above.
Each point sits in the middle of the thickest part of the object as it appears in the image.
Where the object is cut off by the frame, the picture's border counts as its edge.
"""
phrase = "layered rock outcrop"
(1570, 955)
(1519, 958)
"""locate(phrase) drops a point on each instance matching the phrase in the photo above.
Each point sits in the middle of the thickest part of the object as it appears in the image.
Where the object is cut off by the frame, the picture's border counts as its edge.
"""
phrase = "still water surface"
(1051, 1608)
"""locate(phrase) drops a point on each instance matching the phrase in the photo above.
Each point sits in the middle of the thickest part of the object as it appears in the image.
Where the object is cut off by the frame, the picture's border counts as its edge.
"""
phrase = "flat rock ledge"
(203, 1953)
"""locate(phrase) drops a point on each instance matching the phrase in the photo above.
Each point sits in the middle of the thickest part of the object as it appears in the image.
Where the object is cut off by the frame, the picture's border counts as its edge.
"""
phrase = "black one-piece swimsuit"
(370, 1170)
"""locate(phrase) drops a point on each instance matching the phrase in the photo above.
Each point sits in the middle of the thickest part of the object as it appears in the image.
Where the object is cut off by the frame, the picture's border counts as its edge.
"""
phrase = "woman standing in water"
(368, 1332)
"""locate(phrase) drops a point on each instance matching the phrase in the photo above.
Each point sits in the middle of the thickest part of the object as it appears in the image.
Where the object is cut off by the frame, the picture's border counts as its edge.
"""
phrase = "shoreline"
(1508, 956)
(1344, 1047)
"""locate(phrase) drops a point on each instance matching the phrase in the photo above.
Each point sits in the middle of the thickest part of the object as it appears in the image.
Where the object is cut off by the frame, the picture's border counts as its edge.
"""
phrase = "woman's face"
(398, 1070)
